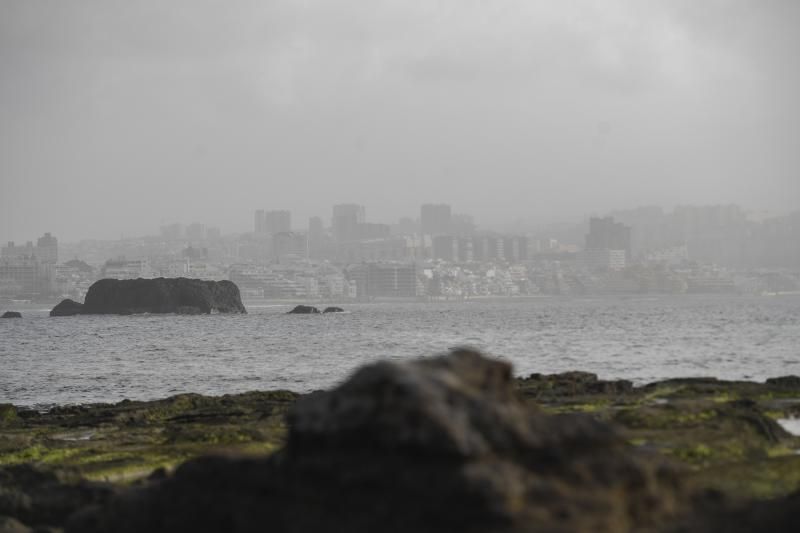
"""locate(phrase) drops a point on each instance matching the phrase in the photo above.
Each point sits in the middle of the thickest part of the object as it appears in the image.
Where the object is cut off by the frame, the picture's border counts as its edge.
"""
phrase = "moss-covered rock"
(8, 415)
(128, 440)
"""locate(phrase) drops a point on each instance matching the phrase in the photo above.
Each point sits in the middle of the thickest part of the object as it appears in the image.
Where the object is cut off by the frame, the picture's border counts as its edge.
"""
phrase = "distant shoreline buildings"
(29, 269)
(438, 255)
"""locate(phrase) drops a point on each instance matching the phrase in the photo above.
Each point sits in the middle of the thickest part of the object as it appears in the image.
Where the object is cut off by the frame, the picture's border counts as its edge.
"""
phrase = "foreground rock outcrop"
(442, 444)
(439, 445)
(160, 295)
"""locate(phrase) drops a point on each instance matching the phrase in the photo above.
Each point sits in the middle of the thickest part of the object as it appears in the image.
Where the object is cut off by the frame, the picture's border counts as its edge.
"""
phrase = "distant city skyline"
(628, 251)
(298, 222)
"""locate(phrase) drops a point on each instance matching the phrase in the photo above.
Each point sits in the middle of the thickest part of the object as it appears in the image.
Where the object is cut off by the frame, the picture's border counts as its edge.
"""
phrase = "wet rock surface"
(160, 295)
(333, 310)
(11, 314)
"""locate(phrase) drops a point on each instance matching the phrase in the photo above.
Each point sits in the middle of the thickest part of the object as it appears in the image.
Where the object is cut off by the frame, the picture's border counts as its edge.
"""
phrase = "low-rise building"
(127, 269)
(384, 279)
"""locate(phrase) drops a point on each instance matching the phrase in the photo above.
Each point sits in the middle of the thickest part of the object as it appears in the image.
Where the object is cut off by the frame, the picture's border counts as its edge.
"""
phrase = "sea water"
(67, 360)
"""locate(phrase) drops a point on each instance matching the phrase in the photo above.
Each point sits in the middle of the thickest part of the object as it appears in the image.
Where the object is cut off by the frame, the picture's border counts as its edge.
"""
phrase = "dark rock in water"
(160, 295)
(41, 498)
(67, 308)
(189, 310)
(435, 445)
(333, 310)
(11, 314)
(303, 310)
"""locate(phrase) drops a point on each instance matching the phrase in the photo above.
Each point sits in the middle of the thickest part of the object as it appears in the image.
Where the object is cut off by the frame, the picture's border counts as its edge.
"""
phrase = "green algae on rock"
(129, 439)
(723, 432)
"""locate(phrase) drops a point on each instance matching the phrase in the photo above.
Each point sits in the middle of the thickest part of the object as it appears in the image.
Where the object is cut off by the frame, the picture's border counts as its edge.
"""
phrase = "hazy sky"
(117, 116)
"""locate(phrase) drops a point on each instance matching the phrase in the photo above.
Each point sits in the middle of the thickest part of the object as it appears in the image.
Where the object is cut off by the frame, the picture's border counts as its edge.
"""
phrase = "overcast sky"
(118, 116)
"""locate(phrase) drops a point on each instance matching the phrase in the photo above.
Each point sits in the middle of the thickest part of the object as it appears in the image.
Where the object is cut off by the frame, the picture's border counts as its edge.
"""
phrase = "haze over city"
(118, 117)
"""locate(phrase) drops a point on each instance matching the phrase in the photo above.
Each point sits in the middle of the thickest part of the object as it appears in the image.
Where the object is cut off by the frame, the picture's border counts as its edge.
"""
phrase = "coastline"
(8, 305)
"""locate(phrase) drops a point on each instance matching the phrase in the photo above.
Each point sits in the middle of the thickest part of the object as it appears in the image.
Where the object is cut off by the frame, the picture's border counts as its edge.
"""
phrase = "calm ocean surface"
(83, 359)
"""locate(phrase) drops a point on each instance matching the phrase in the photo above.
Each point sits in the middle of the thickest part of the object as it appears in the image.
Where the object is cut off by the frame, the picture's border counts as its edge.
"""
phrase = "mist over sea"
(84, 359)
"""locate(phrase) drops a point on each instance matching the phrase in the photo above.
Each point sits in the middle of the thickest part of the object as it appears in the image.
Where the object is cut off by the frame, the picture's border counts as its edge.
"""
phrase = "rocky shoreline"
(440, 444)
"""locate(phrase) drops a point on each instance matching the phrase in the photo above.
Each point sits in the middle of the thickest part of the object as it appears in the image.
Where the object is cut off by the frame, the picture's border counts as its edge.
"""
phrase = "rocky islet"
(159, 295)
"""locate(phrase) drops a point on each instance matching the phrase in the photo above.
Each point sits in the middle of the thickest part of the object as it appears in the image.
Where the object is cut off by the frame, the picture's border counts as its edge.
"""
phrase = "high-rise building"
(25, 275)
(465, 247)
(406, 226)
(289, 245)
(386, 249)
(444, 247)
(604, 259)
(12, 251)
(196, 232)
(277, 221)
(213, 233)
(29, 269)
(172, 232)
(462, 225)
(259, 222)
(316, 238)
(435, 219)
(346, 220)
(605, 234)
(315, 226)
(608, 244)
(713, 234)
(369, 230)
(515, 248)
(488, 248)
(45, 251)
